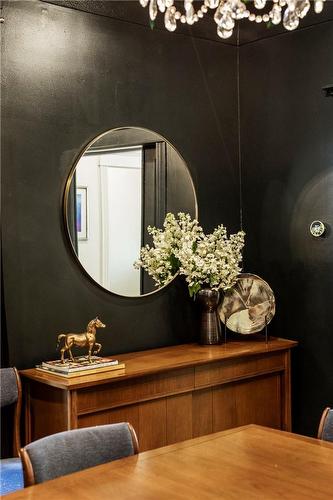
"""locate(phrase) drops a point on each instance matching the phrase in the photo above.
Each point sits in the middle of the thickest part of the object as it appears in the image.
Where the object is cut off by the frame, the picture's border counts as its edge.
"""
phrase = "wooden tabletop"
(249, 463)
(156, 360)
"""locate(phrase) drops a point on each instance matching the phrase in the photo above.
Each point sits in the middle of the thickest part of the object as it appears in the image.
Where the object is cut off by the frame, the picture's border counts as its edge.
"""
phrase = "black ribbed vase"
(210, 324)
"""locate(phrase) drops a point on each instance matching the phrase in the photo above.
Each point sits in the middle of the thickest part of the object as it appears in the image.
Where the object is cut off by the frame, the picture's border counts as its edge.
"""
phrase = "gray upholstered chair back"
(325, 431)
(11, 394)
(9, 389)
(74, 450)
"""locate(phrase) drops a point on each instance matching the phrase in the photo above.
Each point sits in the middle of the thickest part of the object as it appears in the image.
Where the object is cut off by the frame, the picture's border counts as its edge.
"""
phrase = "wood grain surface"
(165, 358)
(250, 463)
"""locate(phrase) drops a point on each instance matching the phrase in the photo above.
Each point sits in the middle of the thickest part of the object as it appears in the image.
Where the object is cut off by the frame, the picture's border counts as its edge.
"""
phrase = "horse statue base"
(78, 361)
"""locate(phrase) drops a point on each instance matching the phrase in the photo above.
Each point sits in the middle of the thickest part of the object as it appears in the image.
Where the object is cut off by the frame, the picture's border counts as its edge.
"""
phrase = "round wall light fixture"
(317, 228)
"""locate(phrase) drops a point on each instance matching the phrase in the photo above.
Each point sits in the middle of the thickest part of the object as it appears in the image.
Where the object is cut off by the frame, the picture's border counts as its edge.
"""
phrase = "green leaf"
(193, 289)
(175, 263)
(269, 25)
(151, 24)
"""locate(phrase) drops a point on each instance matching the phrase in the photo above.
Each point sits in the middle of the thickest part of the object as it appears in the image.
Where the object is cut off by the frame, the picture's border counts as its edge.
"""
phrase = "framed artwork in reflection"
(82, 213)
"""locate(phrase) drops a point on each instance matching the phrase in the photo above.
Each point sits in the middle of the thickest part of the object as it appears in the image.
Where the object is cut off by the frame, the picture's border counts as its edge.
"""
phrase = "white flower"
(205, 260)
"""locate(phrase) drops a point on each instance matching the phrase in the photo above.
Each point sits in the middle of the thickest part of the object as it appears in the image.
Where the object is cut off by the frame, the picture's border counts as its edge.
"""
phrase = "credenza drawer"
(226, 370)
(135, 390)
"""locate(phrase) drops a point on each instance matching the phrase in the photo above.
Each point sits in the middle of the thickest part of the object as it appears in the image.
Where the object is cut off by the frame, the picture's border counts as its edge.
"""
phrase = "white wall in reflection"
(114, 193)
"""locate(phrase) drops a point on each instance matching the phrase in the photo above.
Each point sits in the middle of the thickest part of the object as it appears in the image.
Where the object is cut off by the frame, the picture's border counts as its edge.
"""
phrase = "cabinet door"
(179, 418)
(124, 414)
(202, 411)
(148, 420)
(255, 401)
(152, 424)
(260, 402)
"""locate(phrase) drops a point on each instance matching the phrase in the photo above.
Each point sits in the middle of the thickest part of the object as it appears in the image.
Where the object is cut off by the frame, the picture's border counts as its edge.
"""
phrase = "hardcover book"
(79, 364)
(79, 373)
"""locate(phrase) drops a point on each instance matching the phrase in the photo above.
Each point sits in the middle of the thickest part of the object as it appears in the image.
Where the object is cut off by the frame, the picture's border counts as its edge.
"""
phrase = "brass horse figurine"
(86, 339)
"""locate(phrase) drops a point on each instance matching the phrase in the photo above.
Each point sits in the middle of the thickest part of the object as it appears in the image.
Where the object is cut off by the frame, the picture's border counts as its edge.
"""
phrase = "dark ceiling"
(131, 11)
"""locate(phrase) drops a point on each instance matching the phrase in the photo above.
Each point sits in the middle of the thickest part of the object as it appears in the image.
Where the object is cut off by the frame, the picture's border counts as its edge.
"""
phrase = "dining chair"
(77, 449)
(11, 472)
(325, 430)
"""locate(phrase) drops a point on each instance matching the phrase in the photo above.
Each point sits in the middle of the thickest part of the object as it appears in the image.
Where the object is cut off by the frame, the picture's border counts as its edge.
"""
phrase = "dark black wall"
(68, 76)
(287, 179)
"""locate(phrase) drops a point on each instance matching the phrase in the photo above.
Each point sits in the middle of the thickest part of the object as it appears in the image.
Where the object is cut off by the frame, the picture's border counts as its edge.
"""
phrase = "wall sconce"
(318, 228)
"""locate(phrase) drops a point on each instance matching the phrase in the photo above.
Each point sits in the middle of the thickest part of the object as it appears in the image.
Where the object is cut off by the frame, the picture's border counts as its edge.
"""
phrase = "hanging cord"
(210, 98)
(239, 139)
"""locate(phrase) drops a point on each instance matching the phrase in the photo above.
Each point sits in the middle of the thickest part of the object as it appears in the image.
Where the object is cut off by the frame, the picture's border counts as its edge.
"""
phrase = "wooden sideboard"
(169, 394)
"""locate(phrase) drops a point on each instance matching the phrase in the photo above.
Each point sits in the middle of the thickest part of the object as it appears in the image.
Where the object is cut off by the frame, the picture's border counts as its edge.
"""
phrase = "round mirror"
(125, 180)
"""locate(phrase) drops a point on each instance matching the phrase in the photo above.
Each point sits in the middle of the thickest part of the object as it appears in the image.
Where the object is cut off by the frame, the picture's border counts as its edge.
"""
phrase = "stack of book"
(80, 366)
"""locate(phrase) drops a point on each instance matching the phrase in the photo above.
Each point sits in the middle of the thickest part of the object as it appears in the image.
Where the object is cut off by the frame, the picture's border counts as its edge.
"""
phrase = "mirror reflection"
(124, 181)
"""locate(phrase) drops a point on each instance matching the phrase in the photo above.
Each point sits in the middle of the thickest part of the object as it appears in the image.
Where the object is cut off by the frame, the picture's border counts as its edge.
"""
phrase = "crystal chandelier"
(228, 11)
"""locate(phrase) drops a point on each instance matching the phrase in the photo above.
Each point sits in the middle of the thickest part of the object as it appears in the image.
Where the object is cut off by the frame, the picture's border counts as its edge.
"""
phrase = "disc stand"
(267, 336)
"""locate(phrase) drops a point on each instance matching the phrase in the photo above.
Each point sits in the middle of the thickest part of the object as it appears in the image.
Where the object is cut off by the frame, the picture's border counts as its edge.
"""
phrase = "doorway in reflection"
(113, 181)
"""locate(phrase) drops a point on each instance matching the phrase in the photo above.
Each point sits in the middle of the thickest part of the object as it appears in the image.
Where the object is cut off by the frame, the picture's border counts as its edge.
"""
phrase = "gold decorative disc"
(248, 306)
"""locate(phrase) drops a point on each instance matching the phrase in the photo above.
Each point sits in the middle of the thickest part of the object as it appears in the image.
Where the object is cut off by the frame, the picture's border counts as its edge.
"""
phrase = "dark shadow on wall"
(4, 339)
(6, 413)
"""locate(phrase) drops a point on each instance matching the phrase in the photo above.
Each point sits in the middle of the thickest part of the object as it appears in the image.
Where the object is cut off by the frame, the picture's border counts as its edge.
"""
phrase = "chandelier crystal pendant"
(228, 11)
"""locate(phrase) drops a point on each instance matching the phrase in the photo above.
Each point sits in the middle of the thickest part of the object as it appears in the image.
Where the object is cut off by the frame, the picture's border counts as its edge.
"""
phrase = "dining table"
(243, 463)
